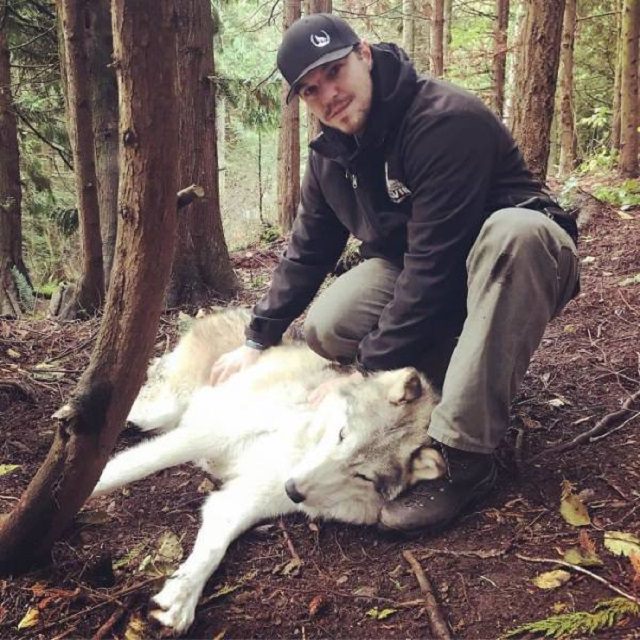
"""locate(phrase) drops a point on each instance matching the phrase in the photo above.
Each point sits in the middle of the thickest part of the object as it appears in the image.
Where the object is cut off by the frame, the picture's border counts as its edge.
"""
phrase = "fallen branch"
(292, 550)
(597, 429)
(586, 572)
(105, 629)
(189, 194)
(438, 625)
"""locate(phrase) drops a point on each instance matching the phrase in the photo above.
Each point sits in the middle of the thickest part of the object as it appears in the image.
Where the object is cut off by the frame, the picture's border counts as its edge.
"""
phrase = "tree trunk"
(422, 44)
(313, 124)
(90, 290)
(447, 11)
(500, 55)
(289, 142)
(615, 118)
(437, 39)
(104, 102)
(515, 36)
(629, 109)
(201, 264)
(567, 125)
(90, 423)
(408, 27)
(10, 195)
(536, 87)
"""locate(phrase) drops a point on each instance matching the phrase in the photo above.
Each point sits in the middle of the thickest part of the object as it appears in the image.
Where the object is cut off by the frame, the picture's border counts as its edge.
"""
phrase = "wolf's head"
(371, 446)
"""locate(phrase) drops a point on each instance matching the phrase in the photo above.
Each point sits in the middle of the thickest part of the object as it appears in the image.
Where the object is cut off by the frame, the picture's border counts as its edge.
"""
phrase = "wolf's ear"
(407, 387)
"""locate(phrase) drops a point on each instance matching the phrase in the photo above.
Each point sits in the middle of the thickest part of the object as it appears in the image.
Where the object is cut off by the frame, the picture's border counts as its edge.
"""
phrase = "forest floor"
(354, 582)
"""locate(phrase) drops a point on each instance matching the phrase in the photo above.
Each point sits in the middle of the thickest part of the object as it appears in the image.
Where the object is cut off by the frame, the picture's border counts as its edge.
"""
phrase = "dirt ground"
(354, 582)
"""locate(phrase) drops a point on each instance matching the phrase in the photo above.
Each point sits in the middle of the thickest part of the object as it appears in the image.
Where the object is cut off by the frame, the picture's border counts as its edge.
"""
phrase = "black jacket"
(431, 166)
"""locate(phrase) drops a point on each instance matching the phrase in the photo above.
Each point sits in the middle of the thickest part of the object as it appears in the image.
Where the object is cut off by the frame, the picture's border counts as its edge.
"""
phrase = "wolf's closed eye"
(363, 477)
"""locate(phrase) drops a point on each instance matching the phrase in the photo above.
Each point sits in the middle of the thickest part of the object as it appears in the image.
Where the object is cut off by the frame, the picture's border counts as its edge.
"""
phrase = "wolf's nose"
(292, 491)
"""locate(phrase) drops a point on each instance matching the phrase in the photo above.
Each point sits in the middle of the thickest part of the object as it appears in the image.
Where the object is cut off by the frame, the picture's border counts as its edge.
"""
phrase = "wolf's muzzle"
(292, 491)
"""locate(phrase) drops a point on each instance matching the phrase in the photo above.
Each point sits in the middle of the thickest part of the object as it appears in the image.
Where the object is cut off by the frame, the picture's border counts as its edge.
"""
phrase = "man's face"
(339, 93)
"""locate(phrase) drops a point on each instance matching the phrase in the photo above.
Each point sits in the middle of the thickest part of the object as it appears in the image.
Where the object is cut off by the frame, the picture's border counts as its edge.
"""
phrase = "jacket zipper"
(352, 177)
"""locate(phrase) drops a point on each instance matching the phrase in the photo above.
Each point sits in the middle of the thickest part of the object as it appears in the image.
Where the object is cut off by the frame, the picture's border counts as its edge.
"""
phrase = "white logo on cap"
(321, 39)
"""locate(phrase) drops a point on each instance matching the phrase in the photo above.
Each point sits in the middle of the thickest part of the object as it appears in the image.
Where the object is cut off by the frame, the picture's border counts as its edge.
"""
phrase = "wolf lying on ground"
(274, 452)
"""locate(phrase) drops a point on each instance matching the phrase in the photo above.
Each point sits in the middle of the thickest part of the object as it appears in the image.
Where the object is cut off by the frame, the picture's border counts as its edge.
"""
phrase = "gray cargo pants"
(522, 270)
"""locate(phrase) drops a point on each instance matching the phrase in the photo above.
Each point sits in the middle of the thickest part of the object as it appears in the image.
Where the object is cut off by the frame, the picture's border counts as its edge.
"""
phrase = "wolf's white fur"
(257, 433)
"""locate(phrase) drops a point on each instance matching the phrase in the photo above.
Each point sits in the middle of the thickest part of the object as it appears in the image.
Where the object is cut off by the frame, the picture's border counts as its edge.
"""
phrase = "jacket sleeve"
(317, 240)
(448, 165)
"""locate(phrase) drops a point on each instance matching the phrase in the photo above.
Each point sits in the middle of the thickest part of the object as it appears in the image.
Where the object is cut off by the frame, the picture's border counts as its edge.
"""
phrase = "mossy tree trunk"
(289, 141)
(104, 103)
(201, 264)
(89, 293)
(90, 423)
(10, 196)
(537, 75)
(437, 39)
(313, 124)
(629, 108)
(566, 120)
(500, 35)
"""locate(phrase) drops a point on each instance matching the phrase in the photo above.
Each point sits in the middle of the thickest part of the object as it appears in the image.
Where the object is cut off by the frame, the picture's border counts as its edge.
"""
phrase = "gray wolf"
(273, 452)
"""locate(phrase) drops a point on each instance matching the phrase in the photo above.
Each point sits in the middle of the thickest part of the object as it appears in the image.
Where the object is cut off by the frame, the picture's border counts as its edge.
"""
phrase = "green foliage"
(270, 233)
(602, 160)
(605, 615)
(625, 193)
(27, 299)
(47, 289)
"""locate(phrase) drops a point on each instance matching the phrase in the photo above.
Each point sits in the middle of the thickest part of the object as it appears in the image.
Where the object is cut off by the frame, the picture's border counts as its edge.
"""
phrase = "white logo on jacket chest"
(397, 191)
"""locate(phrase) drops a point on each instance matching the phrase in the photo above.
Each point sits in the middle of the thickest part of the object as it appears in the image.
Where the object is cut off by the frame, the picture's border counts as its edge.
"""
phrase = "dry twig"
(597, 429)
(292, 550)
(439, 627)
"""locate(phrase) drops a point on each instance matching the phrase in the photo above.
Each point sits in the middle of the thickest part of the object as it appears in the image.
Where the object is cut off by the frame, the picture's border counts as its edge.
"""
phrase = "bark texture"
(536, 82)
(629, 108)
(567, 161)
(422, 44)
(316, 6)
(500, 55)
(90, 423)
(289, 142)
(408, 27)
(201, 264)
(104, 104)
(90, 290)
(10, 194)
(437, 39)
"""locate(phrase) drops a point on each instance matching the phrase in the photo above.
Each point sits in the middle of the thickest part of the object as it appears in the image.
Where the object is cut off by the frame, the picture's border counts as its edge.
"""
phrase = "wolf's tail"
(144, 459)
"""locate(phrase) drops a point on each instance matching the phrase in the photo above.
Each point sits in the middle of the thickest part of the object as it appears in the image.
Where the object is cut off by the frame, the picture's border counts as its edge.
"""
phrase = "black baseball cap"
(311, 42)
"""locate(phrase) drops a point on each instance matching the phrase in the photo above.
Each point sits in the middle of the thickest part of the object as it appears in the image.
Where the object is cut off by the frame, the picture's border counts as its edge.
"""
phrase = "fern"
(25, 292)
(604, 616)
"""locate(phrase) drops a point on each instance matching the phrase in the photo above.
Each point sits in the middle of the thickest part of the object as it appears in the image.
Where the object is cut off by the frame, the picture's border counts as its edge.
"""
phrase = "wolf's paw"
(177, 602)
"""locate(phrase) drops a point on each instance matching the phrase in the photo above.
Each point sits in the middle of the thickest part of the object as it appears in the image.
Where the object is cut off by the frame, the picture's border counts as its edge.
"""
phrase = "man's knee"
(515, 233)
(321, 335)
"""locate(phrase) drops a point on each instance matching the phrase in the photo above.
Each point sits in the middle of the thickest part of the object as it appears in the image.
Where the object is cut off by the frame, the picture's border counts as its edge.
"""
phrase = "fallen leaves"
(621, 543)
(572, 509)
(551, 579)
(380, 614)
(5, 469)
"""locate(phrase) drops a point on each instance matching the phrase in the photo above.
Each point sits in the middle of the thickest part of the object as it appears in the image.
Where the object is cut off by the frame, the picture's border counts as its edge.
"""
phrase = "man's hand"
(233, 362)
(320, 392)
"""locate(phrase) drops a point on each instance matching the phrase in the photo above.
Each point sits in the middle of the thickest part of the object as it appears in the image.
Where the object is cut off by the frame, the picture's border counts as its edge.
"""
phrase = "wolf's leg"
(148, 457)
(158, 413)
(225, 515)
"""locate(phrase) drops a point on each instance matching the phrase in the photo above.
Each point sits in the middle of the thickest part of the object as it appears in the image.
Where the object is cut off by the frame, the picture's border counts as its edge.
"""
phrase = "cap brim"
(327, 57)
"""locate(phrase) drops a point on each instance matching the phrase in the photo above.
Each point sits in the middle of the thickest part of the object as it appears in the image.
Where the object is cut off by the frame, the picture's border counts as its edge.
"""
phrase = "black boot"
(433, 505)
